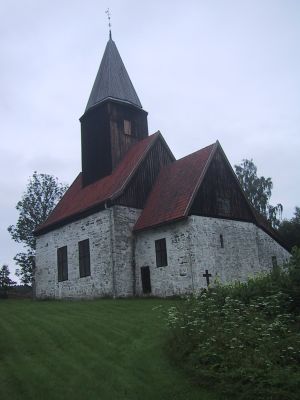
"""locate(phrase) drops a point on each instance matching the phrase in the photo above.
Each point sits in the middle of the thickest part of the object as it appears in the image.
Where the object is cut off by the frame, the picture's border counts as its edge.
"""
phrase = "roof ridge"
(198, 151)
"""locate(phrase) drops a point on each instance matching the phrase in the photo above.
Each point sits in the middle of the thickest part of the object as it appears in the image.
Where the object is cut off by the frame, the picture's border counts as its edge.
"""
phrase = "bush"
(242, 338)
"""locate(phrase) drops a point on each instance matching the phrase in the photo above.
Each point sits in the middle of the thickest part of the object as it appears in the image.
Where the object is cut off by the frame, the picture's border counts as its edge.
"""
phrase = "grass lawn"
(102, 349)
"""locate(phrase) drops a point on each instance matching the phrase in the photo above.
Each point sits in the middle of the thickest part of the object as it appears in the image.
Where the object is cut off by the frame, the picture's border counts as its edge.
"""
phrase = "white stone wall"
(267, 247)
(116, 255)
(194, 246)
(124, 219)
(96, 228)
(111, 256)
(176, 277)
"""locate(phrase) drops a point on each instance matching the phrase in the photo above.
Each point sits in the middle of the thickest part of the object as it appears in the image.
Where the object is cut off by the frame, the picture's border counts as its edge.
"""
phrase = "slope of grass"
(102, 349)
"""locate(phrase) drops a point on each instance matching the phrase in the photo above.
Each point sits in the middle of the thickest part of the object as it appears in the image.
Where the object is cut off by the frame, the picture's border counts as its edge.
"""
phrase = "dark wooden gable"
(137, 191)
(220, 194)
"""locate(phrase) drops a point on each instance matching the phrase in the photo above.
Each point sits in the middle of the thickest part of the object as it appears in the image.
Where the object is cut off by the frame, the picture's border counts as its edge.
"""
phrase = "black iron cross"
(207, 276)
(109, 23)
(108, 16)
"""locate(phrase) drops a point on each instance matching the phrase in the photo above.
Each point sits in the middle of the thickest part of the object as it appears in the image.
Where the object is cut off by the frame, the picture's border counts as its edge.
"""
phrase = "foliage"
(26, 262)
(42, 194)
(290, 229)
(244, 338)
(101, 349)
(5, 282)
(258, 191)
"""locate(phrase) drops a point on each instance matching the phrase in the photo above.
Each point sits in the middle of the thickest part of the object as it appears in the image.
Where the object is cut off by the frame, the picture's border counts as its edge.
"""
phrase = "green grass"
(102, 349)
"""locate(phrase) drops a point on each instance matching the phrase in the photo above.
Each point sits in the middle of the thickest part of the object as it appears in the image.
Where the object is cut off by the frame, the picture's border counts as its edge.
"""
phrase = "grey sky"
(204, 70)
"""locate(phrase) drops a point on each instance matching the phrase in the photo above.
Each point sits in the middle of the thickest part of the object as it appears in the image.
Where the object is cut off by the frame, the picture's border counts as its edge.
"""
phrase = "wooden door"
(146, 281)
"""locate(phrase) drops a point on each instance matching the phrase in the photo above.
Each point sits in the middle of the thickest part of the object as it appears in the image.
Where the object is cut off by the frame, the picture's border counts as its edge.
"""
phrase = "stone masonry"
(110, 235)
(194, 245)
(117, 255)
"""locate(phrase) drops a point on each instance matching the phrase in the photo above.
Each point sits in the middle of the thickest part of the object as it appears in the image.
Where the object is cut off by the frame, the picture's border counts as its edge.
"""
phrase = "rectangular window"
(127, 127)
(222, 241)
(62, 264)
(84, 258)
(223, 206)
(161, 253)
(274, 262)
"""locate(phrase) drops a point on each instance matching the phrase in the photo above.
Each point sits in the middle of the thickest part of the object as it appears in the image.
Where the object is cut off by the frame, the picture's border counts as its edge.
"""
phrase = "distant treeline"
(17, 292)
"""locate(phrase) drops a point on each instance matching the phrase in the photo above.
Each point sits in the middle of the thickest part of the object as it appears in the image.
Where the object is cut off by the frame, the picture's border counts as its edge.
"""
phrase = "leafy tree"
(258, 190)
(290, 229)
(40, 197)
(5, 282)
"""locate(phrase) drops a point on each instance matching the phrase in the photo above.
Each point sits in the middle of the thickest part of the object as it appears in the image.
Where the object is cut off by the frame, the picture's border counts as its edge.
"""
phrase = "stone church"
(136, 221)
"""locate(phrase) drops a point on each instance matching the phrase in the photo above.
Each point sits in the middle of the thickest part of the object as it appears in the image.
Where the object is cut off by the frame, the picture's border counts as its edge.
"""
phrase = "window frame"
(84, 258)
(161, 252)
(62, 264)
(274, 262)
(127, 127)
(222, 241)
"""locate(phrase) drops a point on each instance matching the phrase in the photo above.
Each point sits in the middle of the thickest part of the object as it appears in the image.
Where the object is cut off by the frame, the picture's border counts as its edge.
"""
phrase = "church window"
(62, 264)
(161, 253)
(84, 258)
(127, 127)
(222, 241)
(223, 205)
(274, 262)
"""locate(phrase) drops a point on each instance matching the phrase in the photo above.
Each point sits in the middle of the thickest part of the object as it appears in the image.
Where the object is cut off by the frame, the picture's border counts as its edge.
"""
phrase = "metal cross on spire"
(109, 23)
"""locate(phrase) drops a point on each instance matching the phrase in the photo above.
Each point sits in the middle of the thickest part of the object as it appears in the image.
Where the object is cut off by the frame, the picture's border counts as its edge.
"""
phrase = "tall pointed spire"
(112, 80)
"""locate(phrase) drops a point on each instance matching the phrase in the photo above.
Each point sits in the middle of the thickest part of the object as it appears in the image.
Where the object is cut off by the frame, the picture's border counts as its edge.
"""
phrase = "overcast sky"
(203, 69)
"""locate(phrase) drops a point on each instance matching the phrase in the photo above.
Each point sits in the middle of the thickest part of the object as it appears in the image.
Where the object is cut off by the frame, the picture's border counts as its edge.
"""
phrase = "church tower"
(114, 119)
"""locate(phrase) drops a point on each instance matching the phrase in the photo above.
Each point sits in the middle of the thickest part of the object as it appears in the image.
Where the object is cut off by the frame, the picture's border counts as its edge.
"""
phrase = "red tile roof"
(78, 199)
(175, 188)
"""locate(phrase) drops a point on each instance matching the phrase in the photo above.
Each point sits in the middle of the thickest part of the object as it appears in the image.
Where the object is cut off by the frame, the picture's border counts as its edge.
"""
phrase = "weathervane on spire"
(109, 23)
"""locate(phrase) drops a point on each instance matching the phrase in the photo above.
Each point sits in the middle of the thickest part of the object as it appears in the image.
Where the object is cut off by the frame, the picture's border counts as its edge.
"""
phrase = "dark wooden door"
(146, 282)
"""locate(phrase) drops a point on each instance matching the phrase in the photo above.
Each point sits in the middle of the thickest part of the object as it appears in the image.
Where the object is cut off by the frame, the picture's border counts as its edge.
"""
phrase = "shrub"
(242, 338)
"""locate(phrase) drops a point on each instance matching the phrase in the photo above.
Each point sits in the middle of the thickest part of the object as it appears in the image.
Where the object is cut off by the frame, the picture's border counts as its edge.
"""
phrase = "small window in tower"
(127, 127)
(161, 253)
(222, 241)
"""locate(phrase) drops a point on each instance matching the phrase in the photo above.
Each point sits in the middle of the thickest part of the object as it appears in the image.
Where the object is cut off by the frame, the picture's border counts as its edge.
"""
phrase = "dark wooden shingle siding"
(141, 184)
(220, 194)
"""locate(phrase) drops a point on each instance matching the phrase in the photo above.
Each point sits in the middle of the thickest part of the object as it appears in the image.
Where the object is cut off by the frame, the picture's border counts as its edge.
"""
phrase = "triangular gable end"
(219, 193)
(139, 184)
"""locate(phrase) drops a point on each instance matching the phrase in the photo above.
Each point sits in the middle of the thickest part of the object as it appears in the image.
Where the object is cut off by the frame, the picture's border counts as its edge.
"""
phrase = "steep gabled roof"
(175, 188)
(112, 80)
(80, 200)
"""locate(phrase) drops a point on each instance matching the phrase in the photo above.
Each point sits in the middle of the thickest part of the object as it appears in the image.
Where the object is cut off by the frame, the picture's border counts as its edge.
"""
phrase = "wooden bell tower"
(113, 121)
